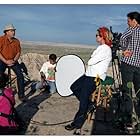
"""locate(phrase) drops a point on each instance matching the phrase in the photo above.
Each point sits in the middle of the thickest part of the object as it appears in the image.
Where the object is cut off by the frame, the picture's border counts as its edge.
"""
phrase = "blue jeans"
(130, 74)
(50, 84)
(82, 88)
(20, 78)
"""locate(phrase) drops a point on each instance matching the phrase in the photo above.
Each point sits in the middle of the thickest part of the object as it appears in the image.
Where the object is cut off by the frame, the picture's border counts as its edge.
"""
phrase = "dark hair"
(134, 15)
(3, 80)
(4, 31)
(53, 57)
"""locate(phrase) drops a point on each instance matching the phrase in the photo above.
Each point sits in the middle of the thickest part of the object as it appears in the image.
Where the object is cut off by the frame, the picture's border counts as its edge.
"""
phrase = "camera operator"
(130, 61)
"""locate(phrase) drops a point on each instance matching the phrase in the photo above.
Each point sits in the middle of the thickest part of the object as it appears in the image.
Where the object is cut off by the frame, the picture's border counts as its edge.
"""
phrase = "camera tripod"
(116, 73)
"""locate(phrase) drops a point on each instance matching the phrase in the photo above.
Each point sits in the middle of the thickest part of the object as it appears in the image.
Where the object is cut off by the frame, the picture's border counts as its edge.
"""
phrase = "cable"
(49, 124)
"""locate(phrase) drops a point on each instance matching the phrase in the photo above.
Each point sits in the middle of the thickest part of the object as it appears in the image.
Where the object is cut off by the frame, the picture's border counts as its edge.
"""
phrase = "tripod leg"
(116, 72)
(89, 117)
(113, 73)
(9, 76)
(99, 94)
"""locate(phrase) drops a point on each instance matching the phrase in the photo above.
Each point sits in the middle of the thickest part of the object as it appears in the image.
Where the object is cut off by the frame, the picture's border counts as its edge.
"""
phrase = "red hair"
(106, 34)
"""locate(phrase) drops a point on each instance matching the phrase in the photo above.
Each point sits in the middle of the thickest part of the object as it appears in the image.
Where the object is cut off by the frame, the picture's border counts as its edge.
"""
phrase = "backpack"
(121, 106)
(8, 123)
(103, 122)
(114, 119)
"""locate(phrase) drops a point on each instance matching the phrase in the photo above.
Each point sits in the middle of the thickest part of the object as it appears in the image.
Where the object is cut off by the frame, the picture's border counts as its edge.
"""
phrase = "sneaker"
(77, 132)
(129, 126)
(70, 127)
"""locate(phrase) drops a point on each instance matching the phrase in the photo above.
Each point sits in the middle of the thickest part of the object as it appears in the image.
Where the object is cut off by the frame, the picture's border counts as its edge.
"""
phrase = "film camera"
(116, 47)
(115, 43)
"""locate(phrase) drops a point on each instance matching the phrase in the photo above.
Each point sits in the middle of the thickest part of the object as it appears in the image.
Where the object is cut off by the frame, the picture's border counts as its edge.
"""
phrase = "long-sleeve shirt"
(130, 40)
(99, 62)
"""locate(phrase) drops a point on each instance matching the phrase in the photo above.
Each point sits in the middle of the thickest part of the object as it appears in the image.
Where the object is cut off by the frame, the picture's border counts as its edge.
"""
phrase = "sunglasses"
(98, 35)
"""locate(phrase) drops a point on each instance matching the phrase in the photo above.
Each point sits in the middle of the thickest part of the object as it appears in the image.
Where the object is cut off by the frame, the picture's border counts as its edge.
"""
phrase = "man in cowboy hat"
(10, 51)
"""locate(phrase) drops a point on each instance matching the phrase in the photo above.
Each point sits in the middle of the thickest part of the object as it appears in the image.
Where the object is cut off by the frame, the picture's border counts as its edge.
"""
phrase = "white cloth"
(48, 69)
(99, 62)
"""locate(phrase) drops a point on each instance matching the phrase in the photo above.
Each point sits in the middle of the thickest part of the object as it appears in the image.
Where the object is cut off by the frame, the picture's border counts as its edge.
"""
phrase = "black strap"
(4, 115)
(10, 117)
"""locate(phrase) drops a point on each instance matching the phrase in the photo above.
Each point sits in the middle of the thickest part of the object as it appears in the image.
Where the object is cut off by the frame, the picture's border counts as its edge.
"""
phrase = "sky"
(71, 23)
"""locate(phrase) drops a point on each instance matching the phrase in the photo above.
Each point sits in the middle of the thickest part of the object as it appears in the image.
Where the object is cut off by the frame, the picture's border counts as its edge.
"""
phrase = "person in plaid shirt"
(130, 60)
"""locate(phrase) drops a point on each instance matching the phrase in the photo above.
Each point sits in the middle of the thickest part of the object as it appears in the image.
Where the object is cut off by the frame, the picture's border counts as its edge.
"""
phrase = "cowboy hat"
(9, 27)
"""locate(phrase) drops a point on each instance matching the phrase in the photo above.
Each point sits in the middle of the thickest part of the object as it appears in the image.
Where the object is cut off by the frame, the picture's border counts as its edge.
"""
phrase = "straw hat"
(9, 27)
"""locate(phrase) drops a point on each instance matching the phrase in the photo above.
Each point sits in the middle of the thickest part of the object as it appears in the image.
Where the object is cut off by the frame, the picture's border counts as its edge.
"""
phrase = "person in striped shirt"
(130, 60)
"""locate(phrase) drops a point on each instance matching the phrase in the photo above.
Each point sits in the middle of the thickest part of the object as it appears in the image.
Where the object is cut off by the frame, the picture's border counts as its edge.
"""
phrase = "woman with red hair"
(106, 34)
(85, 85)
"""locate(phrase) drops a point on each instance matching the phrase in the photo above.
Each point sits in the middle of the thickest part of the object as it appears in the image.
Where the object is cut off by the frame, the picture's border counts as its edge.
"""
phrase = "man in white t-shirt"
(47, 73)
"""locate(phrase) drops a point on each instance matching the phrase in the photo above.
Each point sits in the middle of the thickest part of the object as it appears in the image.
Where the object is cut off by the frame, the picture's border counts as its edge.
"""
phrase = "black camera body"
(115, 43)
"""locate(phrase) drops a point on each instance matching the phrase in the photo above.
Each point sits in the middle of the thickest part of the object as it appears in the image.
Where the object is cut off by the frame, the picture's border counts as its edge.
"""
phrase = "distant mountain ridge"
(57, 44)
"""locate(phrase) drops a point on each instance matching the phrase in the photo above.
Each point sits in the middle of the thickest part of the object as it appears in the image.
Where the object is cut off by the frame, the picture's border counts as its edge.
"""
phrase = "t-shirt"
(49, 71)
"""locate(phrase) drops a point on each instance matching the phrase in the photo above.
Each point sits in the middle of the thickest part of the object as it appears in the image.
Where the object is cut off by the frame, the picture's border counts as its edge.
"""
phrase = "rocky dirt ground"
(47, 114)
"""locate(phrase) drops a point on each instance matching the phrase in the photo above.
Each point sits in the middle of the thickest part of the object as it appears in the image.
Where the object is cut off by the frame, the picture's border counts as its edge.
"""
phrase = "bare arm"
(17, 56)
(7, 62)
(2, 58)
(18, 51)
